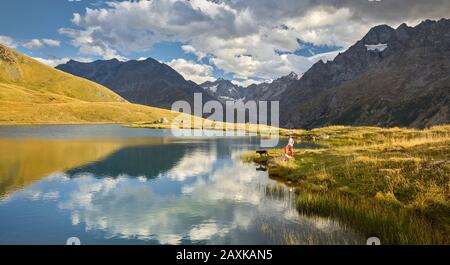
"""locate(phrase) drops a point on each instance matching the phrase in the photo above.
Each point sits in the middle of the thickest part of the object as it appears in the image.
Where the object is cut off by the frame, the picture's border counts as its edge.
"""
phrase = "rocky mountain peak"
(379, 34)
(72, 61)
(292, 75)
(404, 32)
(222, 89)
(146, 82)
(391, 77)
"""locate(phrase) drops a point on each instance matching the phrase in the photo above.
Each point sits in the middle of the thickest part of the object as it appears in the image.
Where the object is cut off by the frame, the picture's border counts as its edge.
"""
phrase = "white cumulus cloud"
(8, 41)
(199, 73)
(35, 44)
(241, 37)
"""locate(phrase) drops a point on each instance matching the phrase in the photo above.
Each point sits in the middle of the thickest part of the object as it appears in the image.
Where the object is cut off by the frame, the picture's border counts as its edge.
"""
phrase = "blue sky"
(42, 18)
(245, 41)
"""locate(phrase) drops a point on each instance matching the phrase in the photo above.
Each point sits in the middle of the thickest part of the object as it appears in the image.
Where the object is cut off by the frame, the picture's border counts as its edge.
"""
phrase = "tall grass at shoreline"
(393, 183)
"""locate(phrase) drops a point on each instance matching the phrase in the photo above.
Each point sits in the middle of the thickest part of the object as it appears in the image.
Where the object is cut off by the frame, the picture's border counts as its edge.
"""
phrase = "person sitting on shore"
(289, 147)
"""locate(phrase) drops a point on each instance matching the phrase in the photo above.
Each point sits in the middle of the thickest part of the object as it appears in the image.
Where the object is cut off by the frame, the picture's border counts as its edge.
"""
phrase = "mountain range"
(391, 77)
(225, 90)
(147, 82)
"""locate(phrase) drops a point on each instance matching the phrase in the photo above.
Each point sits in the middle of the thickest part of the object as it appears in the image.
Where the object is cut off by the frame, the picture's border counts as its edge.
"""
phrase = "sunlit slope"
(78, 113)
(31, 92)
(23, 71)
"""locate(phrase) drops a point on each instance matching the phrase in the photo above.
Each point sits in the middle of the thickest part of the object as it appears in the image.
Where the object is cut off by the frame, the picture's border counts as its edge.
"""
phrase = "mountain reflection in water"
(154, 190)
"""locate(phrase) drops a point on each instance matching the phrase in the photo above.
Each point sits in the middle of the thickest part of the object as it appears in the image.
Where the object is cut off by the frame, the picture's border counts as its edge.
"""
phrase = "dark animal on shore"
(262, 152)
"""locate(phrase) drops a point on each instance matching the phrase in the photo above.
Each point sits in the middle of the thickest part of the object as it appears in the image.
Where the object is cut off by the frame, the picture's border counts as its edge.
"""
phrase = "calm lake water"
(107, 184)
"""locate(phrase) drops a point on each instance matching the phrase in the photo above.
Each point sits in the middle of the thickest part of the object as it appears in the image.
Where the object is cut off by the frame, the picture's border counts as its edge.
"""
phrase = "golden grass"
(399, 177)
(33, 93)
(78, 113)
(22, 71)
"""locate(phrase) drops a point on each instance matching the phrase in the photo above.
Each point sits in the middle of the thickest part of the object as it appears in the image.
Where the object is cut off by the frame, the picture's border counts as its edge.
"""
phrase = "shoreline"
(56, 124)
(391, 183)
(245, 128)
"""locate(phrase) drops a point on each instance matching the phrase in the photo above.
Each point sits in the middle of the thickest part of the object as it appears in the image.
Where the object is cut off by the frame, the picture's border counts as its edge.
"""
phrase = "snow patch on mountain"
(377, 47)
(213, 88)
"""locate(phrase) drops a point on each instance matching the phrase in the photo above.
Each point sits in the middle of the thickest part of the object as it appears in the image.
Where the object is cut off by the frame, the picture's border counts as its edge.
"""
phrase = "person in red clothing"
(289, 147)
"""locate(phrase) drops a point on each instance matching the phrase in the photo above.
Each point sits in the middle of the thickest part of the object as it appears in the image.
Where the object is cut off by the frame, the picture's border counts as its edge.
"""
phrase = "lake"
(107, 184)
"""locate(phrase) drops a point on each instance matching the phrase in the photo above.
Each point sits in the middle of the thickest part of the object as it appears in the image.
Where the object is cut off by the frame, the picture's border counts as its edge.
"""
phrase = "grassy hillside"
(31, 92)
(391, 183)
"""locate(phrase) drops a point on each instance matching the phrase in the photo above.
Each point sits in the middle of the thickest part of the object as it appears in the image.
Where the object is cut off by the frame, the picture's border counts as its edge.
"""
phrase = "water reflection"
(181, 160)
(23, 162)
(168, 192)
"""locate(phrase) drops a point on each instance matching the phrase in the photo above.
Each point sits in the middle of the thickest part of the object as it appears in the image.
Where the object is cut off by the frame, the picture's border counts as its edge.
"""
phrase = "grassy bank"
(13, 113)
(193, 122)
(390, 183)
